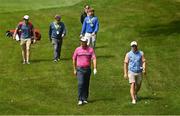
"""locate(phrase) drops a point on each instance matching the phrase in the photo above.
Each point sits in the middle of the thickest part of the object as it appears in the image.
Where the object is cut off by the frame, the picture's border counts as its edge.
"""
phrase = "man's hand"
(34, 41)
(125, 76)
(144, 72)
(81, 36)
(14, 36)
(62, 35)
(94, 34)
(75, 72)
(95, 71)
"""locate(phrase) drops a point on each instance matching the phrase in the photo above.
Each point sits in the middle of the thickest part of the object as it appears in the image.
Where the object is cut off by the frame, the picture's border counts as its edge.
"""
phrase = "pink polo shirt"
(83, 57)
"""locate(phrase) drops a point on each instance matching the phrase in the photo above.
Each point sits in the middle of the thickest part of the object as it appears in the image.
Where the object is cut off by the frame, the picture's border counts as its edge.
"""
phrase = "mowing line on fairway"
(27, 5)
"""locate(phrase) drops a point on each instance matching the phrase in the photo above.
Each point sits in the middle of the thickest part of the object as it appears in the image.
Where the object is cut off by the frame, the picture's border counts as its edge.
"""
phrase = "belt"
(137, 71)
(87, 67)
(89, 32)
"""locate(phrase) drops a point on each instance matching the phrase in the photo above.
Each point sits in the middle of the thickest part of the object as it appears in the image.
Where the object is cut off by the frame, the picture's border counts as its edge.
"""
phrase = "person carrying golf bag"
(57, 32)
(27, 35)
(134, 66)
(90, 28)
(10, 34)
(82, 69)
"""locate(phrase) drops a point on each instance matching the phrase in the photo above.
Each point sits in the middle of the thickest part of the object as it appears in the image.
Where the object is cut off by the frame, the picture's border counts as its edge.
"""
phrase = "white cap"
(26, 17)
(83, 39)
(134, 43)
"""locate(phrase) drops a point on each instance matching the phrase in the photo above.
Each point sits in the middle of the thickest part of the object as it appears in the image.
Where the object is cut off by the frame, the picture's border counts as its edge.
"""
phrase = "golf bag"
(10, 33)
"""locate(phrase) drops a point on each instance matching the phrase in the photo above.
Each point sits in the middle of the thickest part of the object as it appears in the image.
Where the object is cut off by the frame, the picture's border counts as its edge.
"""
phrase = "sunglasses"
(133, 46)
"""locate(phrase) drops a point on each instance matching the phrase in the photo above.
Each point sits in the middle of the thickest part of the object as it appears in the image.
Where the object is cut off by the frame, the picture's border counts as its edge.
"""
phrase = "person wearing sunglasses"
(134, 67)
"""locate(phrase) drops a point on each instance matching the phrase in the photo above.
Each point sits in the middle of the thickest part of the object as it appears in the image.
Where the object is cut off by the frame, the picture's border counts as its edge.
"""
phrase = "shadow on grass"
(165, 29)
(48, 60)
(41, 60)
(99, 100)
(154, 98)
(99, 47)
(105, 56)
(66, 59)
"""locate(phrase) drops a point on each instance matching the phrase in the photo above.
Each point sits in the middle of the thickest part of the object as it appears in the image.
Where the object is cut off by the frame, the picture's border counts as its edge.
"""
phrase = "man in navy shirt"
(57, 31)
(90, 28)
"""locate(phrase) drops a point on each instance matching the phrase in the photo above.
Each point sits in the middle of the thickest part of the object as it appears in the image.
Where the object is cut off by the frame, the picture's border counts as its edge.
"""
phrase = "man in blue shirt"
(27, 34)
(90, 28)
(134, 66)
(57, 32)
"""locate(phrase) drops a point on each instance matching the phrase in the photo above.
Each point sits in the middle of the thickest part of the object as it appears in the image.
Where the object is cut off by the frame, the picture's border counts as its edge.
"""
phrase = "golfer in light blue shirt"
(134, 66)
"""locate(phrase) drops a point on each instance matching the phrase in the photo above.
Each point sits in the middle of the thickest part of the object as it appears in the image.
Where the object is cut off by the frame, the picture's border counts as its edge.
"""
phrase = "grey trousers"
(57, 43)
(83, 76)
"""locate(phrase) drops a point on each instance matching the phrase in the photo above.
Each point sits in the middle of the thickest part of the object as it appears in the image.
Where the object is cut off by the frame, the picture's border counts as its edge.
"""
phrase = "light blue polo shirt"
(135, 61)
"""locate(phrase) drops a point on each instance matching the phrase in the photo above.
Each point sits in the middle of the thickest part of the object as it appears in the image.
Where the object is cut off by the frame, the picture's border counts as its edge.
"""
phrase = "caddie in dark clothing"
(84, 14)
(57, 31)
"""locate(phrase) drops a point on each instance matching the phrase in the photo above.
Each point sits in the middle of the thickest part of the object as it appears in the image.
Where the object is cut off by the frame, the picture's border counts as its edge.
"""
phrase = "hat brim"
(83, 41)
(133, 45)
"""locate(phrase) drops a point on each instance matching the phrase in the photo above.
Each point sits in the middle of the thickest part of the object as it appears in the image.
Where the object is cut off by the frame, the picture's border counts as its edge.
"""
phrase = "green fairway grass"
(45, 87)
(22, 5)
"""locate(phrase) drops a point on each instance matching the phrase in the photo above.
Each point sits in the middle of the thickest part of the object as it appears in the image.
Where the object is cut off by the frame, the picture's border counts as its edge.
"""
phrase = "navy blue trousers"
(83, 75)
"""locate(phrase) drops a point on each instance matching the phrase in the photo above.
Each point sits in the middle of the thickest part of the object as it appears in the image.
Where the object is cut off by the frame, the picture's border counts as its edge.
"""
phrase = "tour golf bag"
(10, 33)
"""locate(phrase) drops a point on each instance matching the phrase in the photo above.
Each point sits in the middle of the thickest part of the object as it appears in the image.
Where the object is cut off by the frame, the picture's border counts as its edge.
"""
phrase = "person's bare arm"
(126, 61)
(34, 35)
(144, 64)
(94, 63)
(74, 67)
(95, 66)
(15, 32)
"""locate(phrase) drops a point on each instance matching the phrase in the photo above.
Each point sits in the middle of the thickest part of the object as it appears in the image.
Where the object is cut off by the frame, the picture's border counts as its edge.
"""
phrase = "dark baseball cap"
(57, 17)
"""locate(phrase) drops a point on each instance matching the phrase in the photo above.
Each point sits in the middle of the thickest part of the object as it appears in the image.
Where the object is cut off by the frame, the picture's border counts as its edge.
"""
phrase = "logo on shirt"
(84, 54)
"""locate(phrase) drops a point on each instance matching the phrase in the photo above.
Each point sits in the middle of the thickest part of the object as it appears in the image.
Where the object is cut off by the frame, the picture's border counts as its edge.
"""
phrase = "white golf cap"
(134, 43)
(83, 39)
(26, 17)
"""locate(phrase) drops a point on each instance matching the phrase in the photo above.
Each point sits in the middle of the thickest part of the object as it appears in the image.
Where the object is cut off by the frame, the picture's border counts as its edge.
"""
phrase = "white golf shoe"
(28, 62)
(24, 62)
(80, 103)
(133, 101)
(55, 60)
(85, 102)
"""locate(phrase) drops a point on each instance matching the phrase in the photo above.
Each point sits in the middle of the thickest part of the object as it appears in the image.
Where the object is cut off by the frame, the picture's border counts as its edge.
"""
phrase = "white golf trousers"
(91, 39)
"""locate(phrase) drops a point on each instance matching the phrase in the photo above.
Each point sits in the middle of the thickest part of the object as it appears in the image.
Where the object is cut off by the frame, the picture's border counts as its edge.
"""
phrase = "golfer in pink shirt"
(82, 69)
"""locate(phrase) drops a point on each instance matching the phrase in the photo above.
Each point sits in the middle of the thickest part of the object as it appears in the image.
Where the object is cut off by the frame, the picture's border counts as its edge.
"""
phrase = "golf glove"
(34, 41)
(81, 35)
(93, 34)
(62, 35)
(95, 71)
